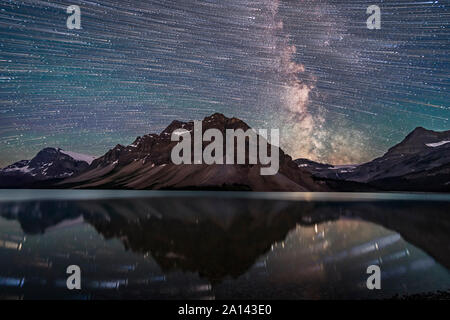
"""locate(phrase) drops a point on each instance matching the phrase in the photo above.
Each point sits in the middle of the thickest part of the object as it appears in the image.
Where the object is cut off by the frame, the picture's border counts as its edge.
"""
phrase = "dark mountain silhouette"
(421, 162)
(146, 164)
(49, 165)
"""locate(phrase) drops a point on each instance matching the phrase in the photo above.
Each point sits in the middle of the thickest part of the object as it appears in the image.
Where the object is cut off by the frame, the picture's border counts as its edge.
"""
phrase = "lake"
(221, 245)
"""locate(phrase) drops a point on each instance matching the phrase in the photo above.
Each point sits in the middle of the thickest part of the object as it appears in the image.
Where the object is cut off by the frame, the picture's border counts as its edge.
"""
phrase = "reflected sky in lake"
(211, 246)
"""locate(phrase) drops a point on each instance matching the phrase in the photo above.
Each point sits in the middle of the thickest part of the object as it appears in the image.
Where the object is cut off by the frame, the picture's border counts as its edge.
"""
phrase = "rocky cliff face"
(146, 164)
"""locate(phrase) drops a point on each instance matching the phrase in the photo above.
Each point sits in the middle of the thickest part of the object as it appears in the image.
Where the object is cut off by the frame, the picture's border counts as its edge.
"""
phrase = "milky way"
(339, 92)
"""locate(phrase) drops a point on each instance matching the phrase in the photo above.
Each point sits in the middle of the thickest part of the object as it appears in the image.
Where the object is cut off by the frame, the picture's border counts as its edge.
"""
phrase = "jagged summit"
(49, 164)
(146, 164)
(156, 148)
(419, 140)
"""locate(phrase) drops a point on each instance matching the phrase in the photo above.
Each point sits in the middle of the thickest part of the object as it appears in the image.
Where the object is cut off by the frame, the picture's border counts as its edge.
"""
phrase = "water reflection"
(215, 247)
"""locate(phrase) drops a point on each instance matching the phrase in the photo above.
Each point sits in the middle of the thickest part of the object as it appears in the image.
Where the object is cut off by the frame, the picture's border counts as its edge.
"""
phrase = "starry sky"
(339, 92)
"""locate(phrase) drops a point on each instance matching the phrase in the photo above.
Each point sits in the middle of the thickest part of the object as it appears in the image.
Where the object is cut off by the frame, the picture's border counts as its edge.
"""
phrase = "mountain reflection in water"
(222, 247)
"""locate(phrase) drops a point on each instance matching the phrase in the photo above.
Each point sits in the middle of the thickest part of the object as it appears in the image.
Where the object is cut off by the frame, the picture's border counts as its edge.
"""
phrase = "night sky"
(340, 93)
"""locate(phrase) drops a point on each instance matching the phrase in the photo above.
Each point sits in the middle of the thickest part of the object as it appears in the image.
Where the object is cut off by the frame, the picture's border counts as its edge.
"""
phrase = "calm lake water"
(213, 245)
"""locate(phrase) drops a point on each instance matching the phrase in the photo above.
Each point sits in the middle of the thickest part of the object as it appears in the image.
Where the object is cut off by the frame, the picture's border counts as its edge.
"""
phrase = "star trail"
(339, 92)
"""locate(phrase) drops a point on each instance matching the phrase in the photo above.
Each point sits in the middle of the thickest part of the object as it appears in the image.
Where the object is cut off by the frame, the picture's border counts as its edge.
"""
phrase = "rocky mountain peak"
(48, 164)
(147, 164)
(421, 162)
(156, 148)
(419, 140)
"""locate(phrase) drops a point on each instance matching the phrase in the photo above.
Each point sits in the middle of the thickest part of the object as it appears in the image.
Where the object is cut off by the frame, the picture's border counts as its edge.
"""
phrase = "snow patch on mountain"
(20, 169)
(437, 144)
(340, 167)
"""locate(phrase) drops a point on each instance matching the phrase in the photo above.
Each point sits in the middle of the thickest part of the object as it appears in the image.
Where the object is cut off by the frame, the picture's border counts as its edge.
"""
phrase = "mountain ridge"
(420, 162)
(146, 164)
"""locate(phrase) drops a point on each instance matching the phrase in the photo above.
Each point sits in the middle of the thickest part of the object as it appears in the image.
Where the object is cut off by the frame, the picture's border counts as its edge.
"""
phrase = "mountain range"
(421, 162)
